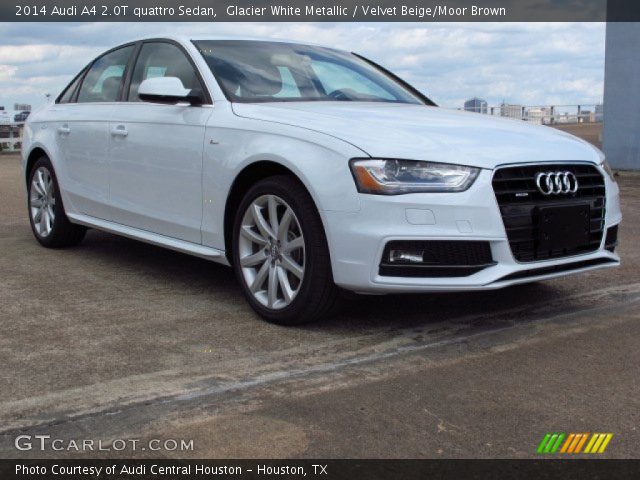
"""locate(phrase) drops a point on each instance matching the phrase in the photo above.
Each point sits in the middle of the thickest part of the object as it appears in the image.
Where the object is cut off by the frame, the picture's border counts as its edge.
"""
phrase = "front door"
(156, 151)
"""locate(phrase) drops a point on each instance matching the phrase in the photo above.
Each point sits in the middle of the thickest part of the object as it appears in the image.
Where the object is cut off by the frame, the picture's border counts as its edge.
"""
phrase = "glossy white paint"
(155, 167)
(416, 132)
(163, 173)
(81, 136)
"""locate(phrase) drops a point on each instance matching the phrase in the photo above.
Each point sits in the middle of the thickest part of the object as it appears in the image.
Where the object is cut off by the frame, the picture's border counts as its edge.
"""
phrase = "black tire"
(318, 296)
(63, 233)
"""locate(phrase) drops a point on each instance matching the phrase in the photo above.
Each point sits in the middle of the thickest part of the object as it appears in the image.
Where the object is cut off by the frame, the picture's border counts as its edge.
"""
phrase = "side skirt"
(189, 248)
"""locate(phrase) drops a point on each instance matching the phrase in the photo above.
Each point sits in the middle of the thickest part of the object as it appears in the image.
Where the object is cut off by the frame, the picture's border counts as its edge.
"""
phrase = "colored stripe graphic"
(598, 443)
(581, 442)
(550, 443)
(605, 443)
(572, 443)
(567, 443)
(543, 443)
(593, 439)
(557, 444)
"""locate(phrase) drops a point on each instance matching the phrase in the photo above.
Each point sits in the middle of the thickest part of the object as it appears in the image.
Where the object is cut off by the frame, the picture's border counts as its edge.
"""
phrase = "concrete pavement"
(118, 339)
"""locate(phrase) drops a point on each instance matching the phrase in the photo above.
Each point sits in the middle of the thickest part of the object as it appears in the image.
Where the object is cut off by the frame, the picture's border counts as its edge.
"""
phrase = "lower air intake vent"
(611, 240)
(437, 258)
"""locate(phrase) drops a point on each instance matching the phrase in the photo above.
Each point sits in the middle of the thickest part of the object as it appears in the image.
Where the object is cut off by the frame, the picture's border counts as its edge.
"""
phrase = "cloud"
(527, 63)
(7, 72)
(21, 54)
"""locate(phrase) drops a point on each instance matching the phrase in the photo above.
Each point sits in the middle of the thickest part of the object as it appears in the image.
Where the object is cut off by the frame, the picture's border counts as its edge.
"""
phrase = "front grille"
(436, 258)
(520, 205)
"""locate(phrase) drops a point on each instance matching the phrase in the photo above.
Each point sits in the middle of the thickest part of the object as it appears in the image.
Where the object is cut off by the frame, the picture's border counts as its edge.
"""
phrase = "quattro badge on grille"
(556, 183)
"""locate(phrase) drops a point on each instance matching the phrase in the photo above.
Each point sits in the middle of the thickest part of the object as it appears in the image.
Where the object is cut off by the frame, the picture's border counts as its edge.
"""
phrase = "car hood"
(391, 130)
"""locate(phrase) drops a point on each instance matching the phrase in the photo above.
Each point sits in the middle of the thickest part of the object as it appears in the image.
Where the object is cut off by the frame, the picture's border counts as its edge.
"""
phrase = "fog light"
(406, 256)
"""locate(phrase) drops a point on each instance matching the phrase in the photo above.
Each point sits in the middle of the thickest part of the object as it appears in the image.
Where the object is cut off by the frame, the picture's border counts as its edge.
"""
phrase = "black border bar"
(567, 469)
(425, 11)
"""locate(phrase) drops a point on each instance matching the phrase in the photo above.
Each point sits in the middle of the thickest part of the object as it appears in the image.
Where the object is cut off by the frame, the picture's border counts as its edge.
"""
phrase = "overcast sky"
(523, 63)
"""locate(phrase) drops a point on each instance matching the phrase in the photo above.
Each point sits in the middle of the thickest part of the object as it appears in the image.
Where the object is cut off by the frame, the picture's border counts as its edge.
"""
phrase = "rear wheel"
(49, 223)
(280, 252)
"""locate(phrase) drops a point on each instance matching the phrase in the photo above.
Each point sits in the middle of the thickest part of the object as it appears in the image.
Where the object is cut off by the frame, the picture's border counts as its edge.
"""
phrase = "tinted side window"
(104, 79)
(70, 90)
(162, 59)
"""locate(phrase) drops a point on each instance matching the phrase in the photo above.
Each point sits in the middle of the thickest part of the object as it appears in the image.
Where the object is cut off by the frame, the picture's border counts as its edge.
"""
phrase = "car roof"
(185, 39)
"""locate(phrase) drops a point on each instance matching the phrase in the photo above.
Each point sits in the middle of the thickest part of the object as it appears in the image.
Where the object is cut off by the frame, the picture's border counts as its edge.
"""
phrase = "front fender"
(319, 161)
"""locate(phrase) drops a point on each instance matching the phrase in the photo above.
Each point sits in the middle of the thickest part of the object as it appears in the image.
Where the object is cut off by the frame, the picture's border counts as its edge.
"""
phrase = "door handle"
(119, 131)
(64, 130)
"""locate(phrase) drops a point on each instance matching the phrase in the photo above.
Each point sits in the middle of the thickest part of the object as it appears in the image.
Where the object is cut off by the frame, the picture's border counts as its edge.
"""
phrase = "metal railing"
(545, 114)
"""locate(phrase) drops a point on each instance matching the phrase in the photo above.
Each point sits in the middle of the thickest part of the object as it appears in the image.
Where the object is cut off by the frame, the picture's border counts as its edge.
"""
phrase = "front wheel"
(280, 253)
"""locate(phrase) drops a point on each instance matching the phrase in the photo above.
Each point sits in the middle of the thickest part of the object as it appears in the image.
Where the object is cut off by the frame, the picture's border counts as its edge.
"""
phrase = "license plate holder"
(563, 227)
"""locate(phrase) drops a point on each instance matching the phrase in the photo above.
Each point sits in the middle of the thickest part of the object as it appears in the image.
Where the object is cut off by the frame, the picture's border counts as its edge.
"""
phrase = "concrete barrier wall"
(621, 139)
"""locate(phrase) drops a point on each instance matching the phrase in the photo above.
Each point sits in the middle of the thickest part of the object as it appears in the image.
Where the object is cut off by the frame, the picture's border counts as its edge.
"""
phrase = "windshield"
(251, 71)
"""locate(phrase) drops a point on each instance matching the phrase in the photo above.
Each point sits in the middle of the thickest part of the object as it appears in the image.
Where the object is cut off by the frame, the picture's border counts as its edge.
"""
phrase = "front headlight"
(607, 168)
(394, 177)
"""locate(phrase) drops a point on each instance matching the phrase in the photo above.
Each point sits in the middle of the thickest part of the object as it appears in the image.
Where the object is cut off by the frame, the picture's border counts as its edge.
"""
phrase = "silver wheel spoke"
(289, 264)
(261, 223)
(248, 233)
(285, 223)
(255, 259)
(42, 182)
(273, 213)
(272, 286)
(285, 286)
(44, 222)
(37, 186)
(259, 279)
(36, 202)
(293, 244)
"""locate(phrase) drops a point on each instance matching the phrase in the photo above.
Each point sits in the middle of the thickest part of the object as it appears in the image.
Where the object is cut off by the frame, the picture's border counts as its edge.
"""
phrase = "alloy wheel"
(272, 251)
(42, 202)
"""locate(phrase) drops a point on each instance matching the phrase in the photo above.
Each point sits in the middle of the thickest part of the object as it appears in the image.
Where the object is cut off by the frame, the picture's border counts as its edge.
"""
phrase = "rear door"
(156, 150)
(83, 136)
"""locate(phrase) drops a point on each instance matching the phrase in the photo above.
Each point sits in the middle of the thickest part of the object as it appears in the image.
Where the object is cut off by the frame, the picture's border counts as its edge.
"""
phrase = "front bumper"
(357, 240)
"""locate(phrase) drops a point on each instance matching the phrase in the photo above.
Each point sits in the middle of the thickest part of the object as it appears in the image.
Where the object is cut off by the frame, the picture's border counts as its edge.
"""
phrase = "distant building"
(21, 117)
(10, 137)
(512, 111)
(599, 112)
(11, 127)
(477, 105)
(22, 107)
(538, 115)
(586, 116)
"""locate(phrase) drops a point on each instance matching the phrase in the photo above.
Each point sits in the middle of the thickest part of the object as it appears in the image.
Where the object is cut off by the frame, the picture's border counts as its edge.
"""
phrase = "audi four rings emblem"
(556, 183)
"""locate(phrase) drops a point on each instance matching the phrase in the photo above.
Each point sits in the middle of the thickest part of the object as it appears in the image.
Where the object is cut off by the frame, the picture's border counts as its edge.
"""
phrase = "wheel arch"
(244, 180)
(35, 153)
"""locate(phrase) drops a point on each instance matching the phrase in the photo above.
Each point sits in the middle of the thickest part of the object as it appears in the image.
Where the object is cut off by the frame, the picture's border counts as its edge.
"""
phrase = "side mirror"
(169, 90)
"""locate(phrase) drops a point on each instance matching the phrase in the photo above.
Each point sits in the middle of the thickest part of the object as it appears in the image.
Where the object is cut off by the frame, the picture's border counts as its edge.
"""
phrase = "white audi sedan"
(310, 171)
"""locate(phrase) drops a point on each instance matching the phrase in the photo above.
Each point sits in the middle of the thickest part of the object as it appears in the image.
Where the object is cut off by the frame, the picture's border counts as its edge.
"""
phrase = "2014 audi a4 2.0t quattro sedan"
(311, 170)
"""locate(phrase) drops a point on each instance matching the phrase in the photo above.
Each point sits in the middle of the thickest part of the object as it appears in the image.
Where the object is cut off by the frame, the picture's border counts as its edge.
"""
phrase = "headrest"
(111, 88)
(263, 81)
